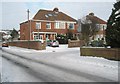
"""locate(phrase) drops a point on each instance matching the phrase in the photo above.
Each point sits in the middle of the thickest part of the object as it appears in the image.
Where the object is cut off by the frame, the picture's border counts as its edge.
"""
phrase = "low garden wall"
(109, 53)
(37, 45)
(75, 43)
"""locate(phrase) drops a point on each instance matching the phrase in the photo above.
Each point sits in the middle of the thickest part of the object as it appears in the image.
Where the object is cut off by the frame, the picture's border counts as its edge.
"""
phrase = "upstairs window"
(57, 25)
(48, 25)
(60, 25)
(38, 25)
(70, 25)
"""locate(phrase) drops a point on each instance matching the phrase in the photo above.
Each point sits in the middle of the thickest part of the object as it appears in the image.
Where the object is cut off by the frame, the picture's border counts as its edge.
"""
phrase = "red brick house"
(100, 24)
(46, 24)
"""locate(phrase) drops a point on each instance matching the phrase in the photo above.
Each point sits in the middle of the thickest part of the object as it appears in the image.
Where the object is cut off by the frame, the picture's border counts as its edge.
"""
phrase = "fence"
(37, 45)
(109, 53)
(75, 43)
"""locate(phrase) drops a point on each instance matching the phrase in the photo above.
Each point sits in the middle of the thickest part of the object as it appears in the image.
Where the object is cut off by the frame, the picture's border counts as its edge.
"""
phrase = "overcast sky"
(14, 12)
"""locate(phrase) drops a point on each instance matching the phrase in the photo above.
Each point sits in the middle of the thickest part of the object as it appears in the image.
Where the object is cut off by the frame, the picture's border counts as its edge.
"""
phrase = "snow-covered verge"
(70, 58)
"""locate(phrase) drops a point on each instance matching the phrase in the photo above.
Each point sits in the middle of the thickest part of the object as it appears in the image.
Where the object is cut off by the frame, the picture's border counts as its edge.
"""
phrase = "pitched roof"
(96, 19)
(52, 15)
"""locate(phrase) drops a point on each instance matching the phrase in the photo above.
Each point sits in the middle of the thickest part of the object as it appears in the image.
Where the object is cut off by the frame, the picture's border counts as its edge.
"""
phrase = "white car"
(54, 43)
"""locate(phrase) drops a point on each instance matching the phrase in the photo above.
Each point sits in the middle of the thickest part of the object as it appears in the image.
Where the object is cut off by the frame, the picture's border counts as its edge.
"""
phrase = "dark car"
(49, 42)
(4, 44)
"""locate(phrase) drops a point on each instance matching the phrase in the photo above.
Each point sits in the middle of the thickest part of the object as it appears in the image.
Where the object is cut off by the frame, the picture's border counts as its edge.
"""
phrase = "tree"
(113, 27)
(14, 34)
(88, 27)
(69, 34)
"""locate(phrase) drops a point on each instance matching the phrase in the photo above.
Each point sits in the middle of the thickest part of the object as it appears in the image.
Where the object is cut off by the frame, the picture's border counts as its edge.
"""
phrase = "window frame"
(68, 26)
(48, 25)
(38, 23)
(57, 25)
(36, 37)
(60, 25)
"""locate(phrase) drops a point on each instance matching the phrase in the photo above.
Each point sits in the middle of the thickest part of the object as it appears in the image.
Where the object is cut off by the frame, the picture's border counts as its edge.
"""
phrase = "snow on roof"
(3, 32)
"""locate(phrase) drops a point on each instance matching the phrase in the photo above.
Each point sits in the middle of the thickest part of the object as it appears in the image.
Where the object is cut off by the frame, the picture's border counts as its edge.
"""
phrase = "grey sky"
(13, 13)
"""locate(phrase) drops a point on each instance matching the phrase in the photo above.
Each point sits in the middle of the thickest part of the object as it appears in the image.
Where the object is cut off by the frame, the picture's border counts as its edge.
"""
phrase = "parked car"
(4, 44)
(49, 42)
(53, 43)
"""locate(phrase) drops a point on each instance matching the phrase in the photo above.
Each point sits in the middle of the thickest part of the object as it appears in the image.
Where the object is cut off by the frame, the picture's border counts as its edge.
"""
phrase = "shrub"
(62, 39)
(99, 43)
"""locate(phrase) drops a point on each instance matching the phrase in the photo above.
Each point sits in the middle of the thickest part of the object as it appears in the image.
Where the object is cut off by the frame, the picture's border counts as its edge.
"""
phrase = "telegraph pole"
(28, 28)
(28, 25)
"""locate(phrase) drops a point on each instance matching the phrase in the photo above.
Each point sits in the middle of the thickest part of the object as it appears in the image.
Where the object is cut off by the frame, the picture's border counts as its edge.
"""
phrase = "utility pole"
(103, 33)
(28, 28)
(28, 25)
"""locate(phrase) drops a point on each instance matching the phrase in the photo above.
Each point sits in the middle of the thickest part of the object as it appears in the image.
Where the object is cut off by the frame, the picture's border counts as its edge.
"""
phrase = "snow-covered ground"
(61, 48)
(71, 57)
(0, 64)
(15, 73)
(67, 58)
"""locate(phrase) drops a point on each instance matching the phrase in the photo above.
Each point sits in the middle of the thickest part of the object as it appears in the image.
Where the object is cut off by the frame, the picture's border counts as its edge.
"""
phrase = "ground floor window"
(38, 37)
(44, 36)
(47, 36)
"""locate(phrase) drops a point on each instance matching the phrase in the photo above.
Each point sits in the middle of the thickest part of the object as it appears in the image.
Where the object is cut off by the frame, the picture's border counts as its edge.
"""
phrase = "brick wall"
(109, 53)
(29, 44)
(75, 43)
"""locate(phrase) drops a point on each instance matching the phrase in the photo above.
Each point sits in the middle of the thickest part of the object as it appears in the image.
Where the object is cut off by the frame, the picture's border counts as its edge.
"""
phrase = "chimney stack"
(92, 14)
(56, 10)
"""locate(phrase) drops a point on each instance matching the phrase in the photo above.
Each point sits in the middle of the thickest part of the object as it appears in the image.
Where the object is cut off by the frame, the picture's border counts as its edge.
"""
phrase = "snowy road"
(55, 65)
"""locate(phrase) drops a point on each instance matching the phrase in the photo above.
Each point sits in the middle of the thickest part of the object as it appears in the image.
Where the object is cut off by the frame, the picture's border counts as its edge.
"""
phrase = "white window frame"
(38, 23)
(62, 25)
(59, 25)
(40, 37)
(48, 25)
(68, 24)
(35, 37)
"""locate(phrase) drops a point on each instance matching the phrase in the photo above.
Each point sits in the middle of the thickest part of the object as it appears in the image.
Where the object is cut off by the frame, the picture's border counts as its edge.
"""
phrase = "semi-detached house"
(100, 25)
(46, 24)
